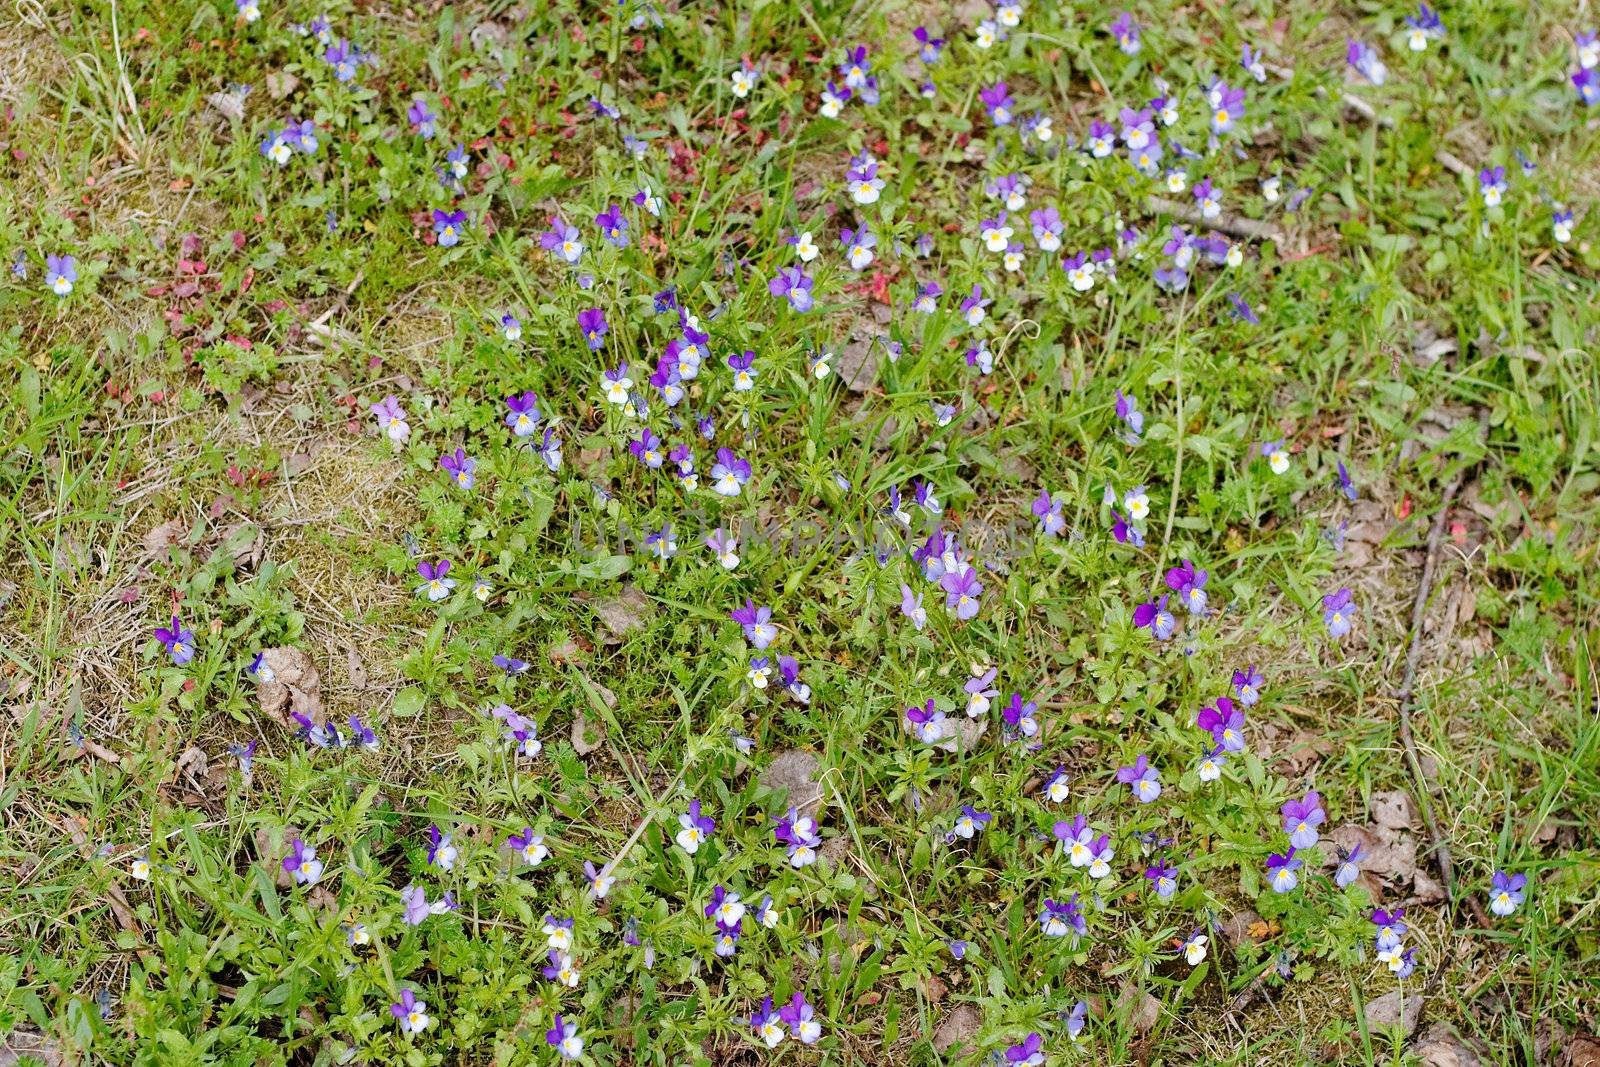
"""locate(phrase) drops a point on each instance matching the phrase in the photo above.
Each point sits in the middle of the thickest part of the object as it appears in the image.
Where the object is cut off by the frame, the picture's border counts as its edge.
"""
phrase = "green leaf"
(408, 702)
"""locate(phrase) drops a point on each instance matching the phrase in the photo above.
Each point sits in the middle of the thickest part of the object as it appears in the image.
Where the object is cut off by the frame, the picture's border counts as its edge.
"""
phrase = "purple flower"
(593, 325)
(434, 582)
(1225, 724)
(1163, 879)
(342, 58)
(410, 1013)
(789, 674)
(1021, 716)
(931, 47)
(792, 284)
(1048, 512)
(1301, 819)
(550, 449)
(1155, 617)
(1492, 183)
(59, 273)
(926, 722)
(421, 119)
(1425, 26)
(1143, 779)
(756, 621)
(441, 853)
(523, 413)
(1587, 83)
(459, 466)
(1030, 1053)
(1391, 925)
(178, 641)
(1338, 612)
(660, 543)
(1126, 32)
(767, 1025)
(1349, 868)
(798, 833)
(997, 99)
(1281, 871)
(961, 591)
(1242, 311)
(447, 226)
(562, 240)
(1060, 918)
(973, 307)
(801, 1019)
(613, 226)
(510, 664)
(729, 474)
(980, 692)
(1364, 59)
(647, 449)
(1138, 128)
(302, 863)
(1128, 411)
(1227, 106)
(970, 822)
(564, 1036)
(1190, 585)
(1506, 892)
(911, 606)
(1345, 484)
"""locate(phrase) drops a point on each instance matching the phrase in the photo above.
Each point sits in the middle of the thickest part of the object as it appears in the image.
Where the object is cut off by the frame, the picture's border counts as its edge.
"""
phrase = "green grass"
(188, 431)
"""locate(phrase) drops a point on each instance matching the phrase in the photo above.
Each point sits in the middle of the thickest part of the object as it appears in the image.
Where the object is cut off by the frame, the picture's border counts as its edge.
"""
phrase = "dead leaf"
(229, 105)
(1141, 1009)
(1237, 927)
(1583, 1051)
(1388, 1011)
(1440, 1047)
(957, 1027)
(794, 773)
(193, 764)
(25, 1041)
(628, 610)
(1394, 810)
(280, 83)
(587, 736)
(160, 538)
(290, 683)
(968, 731)
(354, 668)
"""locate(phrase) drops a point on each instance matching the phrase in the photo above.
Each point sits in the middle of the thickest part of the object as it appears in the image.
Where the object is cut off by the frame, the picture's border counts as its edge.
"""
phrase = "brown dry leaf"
(354, 668)
(1582, 1051)
(628, 610)
(586, 735)
(160, 538)
(1238, 926)
(1394, 810)
(1440, 1047)
(1388, 1010)
(965, 739)
(295, 686)
(193, 765)
(1142, 1010)
(1388, 855)
(25, 1041)
(794, 773)
(270, 850)
(957, 1027)
(280, 83)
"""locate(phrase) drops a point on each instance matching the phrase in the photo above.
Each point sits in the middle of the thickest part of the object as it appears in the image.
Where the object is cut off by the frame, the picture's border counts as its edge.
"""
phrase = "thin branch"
(1232, 225)
(1405, 698)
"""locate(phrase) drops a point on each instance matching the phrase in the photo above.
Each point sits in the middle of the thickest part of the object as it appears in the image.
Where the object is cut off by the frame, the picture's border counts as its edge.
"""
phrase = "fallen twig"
(1404, 698)
(1232, 225)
